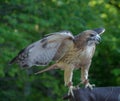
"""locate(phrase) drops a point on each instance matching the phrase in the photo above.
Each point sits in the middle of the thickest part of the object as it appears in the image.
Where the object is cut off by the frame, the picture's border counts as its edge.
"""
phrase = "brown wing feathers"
(42, 51)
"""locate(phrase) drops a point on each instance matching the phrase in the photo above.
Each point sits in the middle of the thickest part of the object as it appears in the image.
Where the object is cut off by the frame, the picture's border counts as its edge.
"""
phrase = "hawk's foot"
(86, 84)
(71, 87)
(70, 91)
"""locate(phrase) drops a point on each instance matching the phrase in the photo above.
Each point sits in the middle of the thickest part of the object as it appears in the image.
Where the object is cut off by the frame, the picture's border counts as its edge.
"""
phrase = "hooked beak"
(99, 30)
(97, 39)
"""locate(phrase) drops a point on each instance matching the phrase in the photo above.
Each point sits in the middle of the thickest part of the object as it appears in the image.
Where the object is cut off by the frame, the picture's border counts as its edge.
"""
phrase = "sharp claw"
(70, 92)
(87, 84)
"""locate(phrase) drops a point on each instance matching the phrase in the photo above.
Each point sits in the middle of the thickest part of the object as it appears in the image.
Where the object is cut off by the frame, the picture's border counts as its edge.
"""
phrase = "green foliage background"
(25, 21)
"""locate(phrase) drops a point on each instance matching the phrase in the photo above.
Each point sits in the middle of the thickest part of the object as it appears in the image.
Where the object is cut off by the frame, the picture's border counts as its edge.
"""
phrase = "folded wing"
(42, 52)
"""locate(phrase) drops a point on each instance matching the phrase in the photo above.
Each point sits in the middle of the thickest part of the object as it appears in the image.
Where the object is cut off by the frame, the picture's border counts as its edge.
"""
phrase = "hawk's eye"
(91, 35)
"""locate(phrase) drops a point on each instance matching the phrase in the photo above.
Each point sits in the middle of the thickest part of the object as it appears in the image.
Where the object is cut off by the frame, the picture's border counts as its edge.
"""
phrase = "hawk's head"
(92, 36)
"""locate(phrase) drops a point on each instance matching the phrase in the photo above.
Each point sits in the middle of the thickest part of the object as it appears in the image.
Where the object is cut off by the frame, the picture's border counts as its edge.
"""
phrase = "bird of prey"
(69, 52)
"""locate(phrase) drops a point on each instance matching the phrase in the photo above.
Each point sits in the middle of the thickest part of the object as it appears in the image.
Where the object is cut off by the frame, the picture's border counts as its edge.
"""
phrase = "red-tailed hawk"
(69, 52)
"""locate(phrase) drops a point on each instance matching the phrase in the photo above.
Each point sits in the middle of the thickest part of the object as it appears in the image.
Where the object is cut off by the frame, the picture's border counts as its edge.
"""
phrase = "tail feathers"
(13, 60)
(47, 69)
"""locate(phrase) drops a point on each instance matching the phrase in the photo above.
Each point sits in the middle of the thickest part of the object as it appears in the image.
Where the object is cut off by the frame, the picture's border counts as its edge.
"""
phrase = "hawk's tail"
(47, 69)
(13, 60)
(17, 57)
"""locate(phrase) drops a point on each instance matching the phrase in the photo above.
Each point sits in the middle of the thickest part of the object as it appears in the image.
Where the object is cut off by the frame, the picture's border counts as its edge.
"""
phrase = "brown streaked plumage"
(67, 51)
